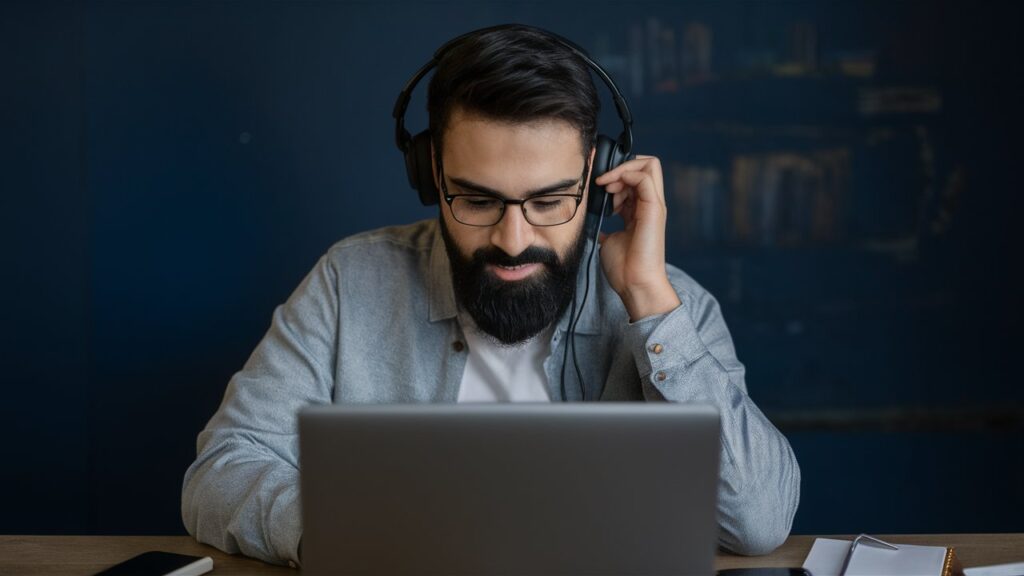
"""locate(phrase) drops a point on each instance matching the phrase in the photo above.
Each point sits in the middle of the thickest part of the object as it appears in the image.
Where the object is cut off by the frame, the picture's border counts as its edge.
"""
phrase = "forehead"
(499, 153)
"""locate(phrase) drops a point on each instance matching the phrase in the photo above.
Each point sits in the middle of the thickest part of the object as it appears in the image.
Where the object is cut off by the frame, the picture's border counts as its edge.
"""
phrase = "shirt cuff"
(664, 341)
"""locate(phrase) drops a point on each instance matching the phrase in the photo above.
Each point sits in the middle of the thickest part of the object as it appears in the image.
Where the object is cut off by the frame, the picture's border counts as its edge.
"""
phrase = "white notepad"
(827, 555)
(1015, 569)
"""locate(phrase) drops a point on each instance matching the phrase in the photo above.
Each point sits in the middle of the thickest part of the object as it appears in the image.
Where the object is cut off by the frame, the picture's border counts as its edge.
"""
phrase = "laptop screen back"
(509, 489)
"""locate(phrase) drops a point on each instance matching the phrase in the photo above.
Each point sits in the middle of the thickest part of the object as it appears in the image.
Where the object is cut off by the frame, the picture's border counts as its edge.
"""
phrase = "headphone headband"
(403, 139)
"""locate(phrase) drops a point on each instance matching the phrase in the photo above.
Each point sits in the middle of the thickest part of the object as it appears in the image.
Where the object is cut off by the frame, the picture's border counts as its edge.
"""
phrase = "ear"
(590, 170)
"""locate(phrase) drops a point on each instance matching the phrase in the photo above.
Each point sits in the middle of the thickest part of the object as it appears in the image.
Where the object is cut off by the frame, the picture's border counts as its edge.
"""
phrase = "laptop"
(487, 489)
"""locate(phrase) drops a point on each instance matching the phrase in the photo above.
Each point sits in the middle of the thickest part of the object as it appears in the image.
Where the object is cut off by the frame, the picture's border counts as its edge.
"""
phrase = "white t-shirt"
(497, 373)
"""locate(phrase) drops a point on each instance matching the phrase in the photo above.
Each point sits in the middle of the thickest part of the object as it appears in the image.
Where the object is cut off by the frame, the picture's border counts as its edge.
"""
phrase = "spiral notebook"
(828, 556)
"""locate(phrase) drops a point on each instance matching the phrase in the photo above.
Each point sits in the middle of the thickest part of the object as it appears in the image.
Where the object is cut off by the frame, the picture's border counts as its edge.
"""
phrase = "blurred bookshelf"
(784, 149)
(814, 190)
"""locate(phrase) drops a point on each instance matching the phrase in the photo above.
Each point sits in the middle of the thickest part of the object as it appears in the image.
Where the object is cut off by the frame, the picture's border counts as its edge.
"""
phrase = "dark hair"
(515, 74)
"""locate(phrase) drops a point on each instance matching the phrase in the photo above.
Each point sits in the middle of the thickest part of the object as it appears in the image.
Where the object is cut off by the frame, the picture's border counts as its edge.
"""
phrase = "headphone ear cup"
(420, 170)
(607, 156)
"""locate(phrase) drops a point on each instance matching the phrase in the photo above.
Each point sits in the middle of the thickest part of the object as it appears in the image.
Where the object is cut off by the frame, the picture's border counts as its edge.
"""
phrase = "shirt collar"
(441, 293)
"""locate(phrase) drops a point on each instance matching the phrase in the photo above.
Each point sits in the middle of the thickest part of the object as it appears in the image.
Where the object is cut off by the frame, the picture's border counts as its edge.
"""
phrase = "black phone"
(764, 572)
(159, 564)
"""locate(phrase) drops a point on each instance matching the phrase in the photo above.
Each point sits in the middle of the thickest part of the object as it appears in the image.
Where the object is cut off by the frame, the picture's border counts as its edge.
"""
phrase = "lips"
(513, 273)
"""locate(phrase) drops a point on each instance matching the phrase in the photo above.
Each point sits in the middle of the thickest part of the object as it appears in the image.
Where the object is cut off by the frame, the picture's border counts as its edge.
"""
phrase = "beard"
(512, 312)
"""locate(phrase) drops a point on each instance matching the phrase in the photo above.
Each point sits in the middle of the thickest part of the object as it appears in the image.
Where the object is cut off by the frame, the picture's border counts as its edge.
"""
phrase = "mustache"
(498, 257)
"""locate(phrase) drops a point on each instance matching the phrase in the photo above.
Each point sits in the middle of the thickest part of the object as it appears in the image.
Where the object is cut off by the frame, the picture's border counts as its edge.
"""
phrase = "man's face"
(513, 278)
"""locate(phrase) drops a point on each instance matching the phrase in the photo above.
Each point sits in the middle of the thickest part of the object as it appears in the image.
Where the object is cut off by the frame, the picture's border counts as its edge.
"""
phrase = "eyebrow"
(480, 189)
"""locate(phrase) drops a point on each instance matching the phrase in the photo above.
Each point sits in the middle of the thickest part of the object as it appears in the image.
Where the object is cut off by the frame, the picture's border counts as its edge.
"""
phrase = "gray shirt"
(375, 322)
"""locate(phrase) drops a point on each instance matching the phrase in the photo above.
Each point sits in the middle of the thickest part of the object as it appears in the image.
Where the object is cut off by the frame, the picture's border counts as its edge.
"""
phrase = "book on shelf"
(699, 215)
(769, 199)
(787, 198)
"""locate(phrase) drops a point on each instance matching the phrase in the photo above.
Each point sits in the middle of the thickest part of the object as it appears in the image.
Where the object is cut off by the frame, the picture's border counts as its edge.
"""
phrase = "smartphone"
(161, 564)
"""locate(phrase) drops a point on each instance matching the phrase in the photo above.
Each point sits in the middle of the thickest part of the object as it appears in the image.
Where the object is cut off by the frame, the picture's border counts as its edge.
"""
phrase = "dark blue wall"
(171, 170)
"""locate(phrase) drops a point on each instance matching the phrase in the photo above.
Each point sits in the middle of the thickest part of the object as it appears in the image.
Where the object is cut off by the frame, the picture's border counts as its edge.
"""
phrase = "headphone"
(608, 154)
(416, 149)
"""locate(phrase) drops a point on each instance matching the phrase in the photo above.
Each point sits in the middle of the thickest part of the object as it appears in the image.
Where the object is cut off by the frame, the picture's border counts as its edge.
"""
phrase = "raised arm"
(684, 353)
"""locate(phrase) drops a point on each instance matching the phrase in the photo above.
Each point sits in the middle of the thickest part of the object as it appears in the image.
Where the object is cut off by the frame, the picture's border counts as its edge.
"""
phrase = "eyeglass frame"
(449, 198)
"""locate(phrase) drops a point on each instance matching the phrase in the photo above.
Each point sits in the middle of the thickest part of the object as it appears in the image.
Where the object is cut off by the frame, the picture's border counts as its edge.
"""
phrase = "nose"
(513, 233)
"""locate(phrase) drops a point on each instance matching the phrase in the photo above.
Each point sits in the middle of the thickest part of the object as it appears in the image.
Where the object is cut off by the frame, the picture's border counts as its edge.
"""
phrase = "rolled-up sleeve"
(687, 355)
(241, 494)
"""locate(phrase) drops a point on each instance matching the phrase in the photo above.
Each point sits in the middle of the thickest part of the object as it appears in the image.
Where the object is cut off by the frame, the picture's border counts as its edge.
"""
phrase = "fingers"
(642, 185)
(649, 164)
(643, 174)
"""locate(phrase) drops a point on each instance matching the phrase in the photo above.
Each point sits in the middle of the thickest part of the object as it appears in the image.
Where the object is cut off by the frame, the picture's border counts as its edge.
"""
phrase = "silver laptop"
(485, 489)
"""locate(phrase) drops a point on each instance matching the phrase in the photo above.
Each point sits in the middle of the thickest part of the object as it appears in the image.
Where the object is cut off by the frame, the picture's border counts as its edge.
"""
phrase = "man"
(476, 306)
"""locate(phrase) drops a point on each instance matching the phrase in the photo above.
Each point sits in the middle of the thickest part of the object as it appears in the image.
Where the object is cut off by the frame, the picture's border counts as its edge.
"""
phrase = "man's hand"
(634, 259)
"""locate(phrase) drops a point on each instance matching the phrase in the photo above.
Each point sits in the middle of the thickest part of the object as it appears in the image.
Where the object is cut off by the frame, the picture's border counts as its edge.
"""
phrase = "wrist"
(650, 300)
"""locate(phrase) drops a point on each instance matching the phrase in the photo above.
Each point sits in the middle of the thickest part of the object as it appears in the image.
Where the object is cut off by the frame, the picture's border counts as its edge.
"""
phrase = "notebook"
(827, 556)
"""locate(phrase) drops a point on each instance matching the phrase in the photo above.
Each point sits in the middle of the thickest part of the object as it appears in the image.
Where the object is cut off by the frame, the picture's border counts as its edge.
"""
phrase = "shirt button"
(458, 346)
(657, 348)
(660, 376)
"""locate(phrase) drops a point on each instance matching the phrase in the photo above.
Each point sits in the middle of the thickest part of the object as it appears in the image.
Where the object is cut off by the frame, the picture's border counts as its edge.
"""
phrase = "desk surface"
(82, 555)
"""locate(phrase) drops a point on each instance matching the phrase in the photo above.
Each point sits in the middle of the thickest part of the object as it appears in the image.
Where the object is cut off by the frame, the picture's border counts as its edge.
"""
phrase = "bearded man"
(480, 305)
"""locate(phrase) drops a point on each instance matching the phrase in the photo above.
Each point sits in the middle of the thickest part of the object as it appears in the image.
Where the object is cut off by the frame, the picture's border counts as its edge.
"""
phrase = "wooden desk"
(82, 555)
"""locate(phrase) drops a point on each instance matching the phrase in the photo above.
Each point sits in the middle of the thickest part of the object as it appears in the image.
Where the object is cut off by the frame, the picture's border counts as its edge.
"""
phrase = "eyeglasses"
(488, 210)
